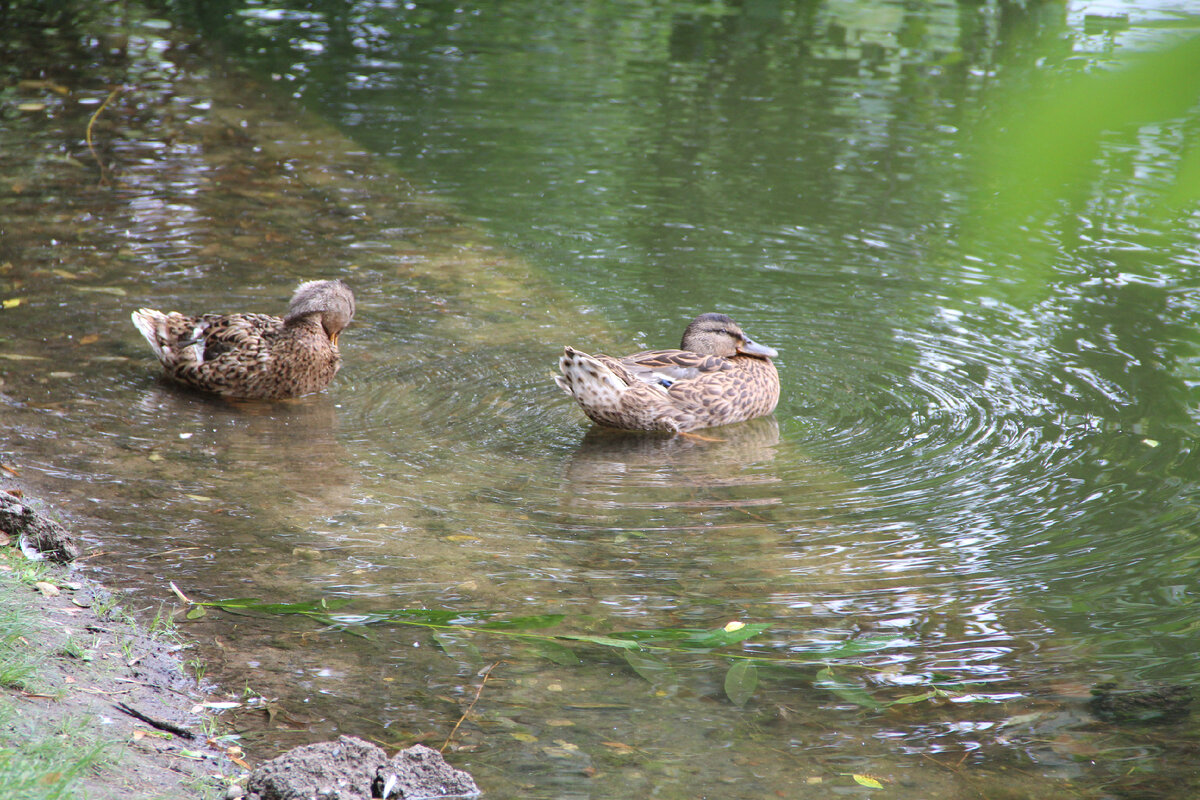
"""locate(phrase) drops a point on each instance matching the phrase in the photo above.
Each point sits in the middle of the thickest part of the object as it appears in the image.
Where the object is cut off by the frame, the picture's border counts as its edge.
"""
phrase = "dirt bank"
(96, 703)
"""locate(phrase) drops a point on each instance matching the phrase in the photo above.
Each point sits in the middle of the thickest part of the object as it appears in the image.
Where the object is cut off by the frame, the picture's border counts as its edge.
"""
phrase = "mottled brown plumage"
(255, 356)
(718, 376)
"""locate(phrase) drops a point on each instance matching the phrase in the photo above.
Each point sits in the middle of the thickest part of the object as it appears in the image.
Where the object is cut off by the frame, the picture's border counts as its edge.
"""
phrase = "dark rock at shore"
(36, 532)
(351, 769)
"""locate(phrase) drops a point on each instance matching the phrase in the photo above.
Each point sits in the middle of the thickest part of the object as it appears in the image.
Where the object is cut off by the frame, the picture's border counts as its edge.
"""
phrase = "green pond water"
(978, 494)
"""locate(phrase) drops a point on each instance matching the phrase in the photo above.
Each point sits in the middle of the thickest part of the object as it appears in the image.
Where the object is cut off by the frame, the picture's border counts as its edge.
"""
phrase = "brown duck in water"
(718, 376)
(255, 356)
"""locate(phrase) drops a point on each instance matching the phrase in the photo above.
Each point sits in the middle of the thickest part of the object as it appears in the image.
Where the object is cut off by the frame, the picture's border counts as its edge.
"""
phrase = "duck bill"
(753, 348)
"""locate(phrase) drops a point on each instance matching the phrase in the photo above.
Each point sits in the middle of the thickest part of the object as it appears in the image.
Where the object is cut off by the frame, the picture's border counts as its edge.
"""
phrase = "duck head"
(718, 335)
(332, 300)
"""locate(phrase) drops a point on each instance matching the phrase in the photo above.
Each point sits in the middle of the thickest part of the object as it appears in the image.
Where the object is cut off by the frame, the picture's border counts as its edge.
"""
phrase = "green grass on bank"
(19, 657)
(48, 752)
(47, 762)
(41, 758)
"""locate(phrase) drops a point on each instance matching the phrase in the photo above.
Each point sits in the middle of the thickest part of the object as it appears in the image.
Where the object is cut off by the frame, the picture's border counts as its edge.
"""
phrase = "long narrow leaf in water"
(524, 623)
(322, 606)
(603, 641)
(693, 638)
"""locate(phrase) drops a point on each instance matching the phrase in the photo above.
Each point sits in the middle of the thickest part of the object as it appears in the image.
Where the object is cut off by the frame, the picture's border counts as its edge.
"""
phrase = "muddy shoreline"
(147, 725)
(115, 678)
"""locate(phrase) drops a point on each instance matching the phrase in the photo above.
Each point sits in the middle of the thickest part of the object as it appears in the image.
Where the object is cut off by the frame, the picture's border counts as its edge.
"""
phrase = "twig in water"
(104, 171)
(486, 674)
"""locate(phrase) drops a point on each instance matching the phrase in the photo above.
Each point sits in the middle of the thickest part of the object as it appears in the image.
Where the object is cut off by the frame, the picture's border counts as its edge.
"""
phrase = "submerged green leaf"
(915, 698)
(654, 670)
(429, 616)
(722, 637)
(457, 646)
(852, 647)
(847, 691)
(740, 682)
(553, 651)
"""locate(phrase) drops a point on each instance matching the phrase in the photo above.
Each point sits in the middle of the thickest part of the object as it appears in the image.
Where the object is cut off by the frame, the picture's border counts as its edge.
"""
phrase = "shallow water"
(979, 478)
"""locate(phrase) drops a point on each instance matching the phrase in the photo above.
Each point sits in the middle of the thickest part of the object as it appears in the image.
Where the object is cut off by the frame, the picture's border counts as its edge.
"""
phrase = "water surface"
(979, 479)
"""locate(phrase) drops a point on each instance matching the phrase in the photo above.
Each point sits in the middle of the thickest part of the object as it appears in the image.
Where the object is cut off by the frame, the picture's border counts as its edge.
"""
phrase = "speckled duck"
(255, 356)
(718, 376)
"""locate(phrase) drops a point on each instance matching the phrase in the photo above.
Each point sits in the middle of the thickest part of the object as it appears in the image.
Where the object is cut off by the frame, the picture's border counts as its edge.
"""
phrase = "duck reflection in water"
(607, 457)
(225, 449)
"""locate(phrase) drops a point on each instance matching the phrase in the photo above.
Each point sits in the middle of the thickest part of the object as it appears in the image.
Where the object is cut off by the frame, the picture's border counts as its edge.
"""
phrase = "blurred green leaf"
(321, 606)
(853, 647)
(1041, 144)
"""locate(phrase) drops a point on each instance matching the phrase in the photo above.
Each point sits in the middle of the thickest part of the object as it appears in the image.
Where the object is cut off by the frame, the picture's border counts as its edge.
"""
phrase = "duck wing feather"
(667, 367)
